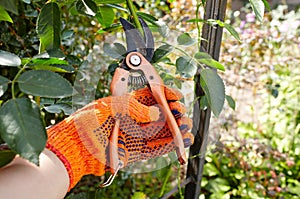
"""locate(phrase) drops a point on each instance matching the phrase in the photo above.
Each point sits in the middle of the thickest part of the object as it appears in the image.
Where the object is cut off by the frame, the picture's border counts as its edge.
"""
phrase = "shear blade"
(148, 40)
(135, 41)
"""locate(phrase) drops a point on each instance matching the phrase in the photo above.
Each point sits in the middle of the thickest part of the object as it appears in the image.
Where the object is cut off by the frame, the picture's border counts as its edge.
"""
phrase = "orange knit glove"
(81, 141)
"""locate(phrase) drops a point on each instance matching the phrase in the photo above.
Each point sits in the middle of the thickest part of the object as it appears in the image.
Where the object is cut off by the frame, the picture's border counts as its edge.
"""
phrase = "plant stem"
(169, 172)
(178, 183)
(134, 15)
(15, 79)
(197, 23)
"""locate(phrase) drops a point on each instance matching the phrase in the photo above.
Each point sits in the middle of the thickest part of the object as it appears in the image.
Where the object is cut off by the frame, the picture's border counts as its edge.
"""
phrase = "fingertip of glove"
(188, 140)
(183, 127)
(185, 123)
(173, 94)
(176, 113)
(154, 113)
(177, 108)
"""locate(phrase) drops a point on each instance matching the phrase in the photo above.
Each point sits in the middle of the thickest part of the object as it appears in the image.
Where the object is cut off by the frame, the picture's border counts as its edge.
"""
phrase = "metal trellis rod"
(211, 44)
(214, 9)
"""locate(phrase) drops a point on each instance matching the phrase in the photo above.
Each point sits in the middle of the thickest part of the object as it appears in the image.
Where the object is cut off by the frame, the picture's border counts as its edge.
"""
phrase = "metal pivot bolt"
(135, 60)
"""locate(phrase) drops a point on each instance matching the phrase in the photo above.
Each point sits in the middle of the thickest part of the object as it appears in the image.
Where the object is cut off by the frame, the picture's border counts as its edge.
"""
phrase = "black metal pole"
(214, 9)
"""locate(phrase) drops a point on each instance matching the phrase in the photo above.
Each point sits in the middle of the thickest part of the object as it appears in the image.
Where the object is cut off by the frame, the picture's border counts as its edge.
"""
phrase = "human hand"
(81, 141)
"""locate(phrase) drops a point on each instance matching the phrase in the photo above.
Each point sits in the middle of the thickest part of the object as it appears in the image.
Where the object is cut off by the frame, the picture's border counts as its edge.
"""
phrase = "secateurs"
(136, 70)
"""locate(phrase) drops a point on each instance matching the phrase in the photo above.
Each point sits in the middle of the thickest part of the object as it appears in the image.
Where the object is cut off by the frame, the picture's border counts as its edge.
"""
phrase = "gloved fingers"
(159, 147)
(145, 96)
(132, 148)
(127, 105)
(141, 113)
(185, 124)
(173, 94)
(177, 108)
(130, 145)
(160, 129)
(136, 139)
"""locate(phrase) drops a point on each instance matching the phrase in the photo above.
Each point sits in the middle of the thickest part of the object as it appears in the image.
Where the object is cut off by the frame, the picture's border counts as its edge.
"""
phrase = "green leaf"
(115, 50)
(185, 39)
(4, 16)
(49, 27)
(58, 68)
(178, 83)
(232, 31)
(294, 187)
(45, 84)
(59, 107)
(159, 26)
(55, 52)
(181, 64)
(195, 20)
(111, 28)
(211, 170)
(48, 61)
(87, 7)
(230, 101)
(202, 55)
(219, 185)
(266, 3)
(214, 90)
(82, 195)
(167, 77)
(258, 7)
(53, 64)
(11, 6)
(9, 59)
(161, 52)
(27, 1)
(116, 6)
(3, 84)
(109, 1)
(105, 16)
(6, 156)
(139, 195)
(203, 102)
(185, 67)
(228, 27)
(21, 127)
(112, 68)
(147, 17)
(206, 59)
(163, 29)
(73, 60)
(67, 34)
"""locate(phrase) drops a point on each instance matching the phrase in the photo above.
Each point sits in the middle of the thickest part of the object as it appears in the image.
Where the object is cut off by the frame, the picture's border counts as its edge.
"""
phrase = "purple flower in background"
(285, 26)
(242, 25)
(250, 17)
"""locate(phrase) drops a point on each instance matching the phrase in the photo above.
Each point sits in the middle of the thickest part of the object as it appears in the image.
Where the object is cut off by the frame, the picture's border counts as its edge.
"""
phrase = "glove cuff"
(64, 141)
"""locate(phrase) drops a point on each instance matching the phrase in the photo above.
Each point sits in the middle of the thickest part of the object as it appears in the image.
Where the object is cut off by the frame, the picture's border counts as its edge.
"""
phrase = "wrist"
(65, 143)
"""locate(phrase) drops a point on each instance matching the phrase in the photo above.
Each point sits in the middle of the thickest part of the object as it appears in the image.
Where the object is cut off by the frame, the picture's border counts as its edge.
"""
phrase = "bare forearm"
(22, 179)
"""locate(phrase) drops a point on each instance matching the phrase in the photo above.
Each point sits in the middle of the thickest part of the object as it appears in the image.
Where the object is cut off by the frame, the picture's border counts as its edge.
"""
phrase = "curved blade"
(148, 40)
(135, 41)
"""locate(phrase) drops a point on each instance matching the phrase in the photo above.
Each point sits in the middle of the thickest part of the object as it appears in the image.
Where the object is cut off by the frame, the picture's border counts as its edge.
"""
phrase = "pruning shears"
(137, 71)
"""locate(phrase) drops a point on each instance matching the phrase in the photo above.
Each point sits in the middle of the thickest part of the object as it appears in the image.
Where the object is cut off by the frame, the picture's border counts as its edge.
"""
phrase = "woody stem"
(134, 15)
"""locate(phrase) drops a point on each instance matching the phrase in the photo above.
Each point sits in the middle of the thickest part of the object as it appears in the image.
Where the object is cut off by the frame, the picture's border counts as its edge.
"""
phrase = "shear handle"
(119, 82)
(136, 61)
(118, 87)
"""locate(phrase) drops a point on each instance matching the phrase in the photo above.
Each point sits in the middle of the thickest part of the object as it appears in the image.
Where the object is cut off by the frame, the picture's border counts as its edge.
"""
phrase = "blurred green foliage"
(260, 158)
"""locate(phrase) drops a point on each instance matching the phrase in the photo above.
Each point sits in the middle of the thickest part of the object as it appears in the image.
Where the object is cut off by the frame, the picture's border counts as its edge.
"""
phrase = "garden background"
(253, 150)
